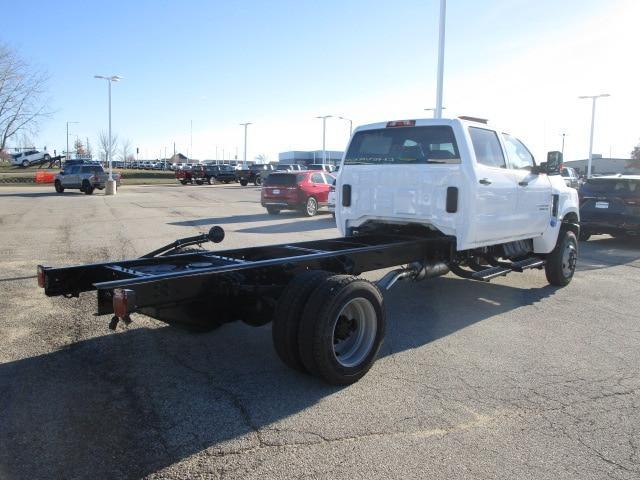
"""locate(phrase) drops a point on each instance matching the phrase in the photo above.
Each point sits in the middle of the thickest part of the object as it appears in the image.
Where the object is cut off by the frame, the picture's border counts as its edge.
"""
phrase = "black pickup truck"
(254, 174)
(206, 174)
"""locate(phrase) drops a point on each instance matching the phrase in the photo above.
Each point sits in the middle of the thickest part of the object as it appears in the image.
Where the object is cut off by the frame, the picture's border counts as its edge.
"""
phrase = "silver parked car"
(86, 177)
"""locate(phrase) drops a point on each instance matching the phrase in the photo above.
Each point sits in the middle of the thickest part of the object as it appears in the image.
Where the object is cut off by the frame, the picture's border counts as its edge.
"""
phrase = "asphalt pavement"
(511, 379)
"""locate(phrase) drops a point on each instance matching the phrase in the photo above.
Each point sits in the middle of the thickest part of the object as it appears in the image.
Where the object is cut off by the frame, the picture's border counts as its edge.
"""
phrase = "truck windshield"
(403, 145)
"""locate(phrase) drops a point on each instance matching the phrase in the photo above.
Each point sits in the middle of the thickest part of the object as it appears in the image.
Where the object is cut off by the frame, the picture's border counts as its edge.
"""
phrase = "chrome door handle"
(485, 181)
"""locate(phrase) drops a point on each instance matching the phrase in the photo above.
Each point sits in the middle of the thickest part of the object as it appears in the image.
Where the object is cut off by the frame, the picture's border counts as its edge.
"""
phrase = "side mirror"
(554, 163)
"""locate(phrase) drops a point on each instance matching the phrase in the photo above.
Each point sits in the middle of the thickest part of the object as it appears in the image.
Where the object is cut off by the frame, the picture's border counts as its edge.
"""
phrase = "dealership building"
(298, 157)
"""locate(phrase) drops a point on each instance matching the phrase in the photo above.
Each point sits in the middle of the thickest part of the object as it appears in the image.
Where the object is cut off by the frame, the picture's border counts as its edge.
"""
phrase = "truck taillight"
(41, 276)
(401, 123)
(124, 302)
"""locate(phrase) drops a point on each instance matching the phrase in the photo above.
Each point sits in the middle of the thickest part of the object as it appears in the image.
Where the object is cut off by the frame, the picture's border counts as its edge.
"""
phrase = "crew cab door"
(496, 194)
(533, 211)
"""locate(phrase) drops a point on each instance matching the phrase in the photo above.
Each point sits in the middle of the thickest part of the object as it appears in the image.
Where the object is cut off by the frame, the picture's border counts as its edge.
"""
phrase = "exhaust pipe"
(415, 271)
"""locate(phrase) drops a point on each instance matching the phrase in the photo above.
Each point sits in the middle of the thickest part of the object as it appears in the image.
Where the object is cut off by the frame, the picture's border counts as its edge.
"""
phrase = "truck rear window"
(283, 179)
(403, 145)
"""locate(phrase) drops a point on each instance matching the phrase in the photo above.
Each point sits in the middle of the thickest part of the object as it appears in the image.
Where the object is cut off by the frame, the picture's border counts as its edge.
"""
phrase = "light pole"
(350, 125)
(443, 15)
(593, 118)
(244, 162)
(434, 111)
(67, 152)
(324, 136)
(563, 135)
(111, 184)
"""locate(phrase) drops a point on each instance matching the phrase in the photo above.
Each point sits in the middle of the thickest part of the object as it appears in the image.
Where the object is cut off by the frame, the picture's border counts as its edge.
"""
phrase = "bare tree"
(22, 89)
(634, 162)
(262, 158)
(125, 149)
(103, 145)
(79, 147)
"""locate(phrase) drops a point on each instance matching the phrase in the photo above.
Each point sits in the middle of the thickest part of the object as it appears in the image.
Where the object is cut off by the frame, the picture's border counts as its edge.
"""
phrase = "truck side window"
(487, 147)
(317, 178)
(519, 156)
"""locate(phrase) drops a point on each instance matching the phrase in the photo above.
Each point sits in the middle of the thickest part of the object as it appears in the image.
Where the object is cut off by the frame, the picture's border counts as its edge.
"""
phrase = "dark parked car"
(206, 174)
(254, 174)
(610, 204)
(306, 191)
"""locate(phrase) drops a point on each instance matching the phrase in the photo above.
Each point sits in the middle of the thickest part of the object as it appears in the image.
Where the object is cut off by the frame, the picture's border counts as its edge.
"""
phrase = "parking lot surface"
(510, 379)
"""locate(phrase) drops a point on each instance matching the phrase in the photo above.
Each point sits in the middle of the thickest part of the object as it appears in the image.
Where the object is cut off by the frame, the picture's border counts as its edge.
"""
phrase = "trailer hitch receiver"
(124, 302)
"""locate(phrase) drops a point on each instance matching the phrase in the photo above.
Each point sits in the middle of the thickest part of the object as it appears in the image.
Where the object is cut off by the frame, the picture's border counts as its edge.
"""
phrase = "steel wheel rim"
(312, 206)
(569, 259)
(354, 332)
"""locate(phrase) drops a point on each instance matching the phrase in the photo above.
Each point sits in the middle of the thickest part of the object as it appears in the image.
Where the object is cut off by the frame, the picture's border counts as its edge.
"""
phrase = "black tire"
(25, 163)
(584, 235)
(46, 157)
(325, 319)
(183, 182)
(211, 180)
(561, 262)
(87, 188)
(199, 182)
(286, 319)
(244, 183)
(58, 186)
(257, 181)
(273, 210)
(226, 182)
(310, 208)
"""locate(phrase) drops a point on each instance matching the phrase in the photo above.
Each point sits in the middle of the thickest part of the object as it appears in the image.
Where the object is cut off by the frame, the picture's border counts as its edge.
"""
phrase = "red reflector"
(40, 276)
(401, 123)
(124, 302)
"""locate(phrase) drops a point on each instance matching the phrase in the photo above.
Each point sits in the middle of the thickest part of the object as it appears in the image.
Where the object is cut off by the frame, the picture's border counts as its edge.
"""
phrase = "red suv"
(306, 191)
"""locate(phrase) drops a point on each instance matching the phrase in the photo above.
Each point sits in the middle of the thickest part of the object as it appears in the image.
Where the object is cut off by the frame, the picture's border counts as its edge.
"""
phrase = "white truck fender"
(566, 211)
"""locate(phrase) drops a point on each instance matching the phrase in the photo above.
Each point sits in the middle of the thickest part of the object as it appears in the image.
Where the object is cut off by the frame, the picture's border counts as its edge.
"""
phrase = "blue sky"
(280, 63)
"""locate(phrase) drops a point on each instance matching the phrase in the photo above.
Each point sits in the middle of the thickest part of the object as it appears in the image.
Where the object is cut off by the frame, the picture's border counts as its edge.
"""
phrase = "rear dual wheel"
(340, 325)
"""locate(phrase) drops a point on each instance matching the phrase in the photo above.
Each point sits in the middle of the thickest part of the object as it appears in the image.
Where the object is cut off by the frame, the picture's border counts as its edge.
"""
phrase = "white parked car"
(29, 157)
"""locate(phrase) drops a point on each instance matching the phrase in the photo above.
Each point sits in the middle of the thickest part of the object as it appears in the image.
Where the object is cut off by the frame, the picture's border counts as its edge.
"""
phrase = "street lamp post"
(324, 137)
(350, 125)
(593, 118)
(111, 184)
(244, 162)
(67, 152)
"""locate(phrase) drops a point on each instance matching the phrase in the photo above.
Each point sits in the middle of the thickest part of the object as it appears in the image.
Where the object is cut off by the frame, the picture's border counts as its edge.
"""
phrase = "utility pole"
(191, 142)
(244, 162)
(443, 15)
(563, 135)
(593, 119)
(324, 137)
(67, 152)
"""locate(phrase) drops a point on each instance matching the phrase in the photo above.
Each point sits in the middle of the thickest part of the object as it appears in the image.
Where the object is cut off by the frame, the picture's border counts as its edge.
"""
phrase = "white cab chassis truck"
(428, 197)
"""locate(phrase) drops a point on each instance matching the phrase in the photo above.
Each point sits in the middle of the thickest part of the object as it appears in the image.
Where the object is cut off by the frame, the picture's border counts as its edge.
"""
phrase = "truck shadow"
(132, 403)
(40, 194)
(249, 218)
(604, 251)
(321, 223)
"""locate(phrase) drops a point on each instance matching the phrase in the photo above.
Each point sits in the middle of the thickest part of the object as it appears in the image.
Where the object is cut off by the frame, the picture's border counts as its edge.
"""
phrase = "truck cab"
(459, 177)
